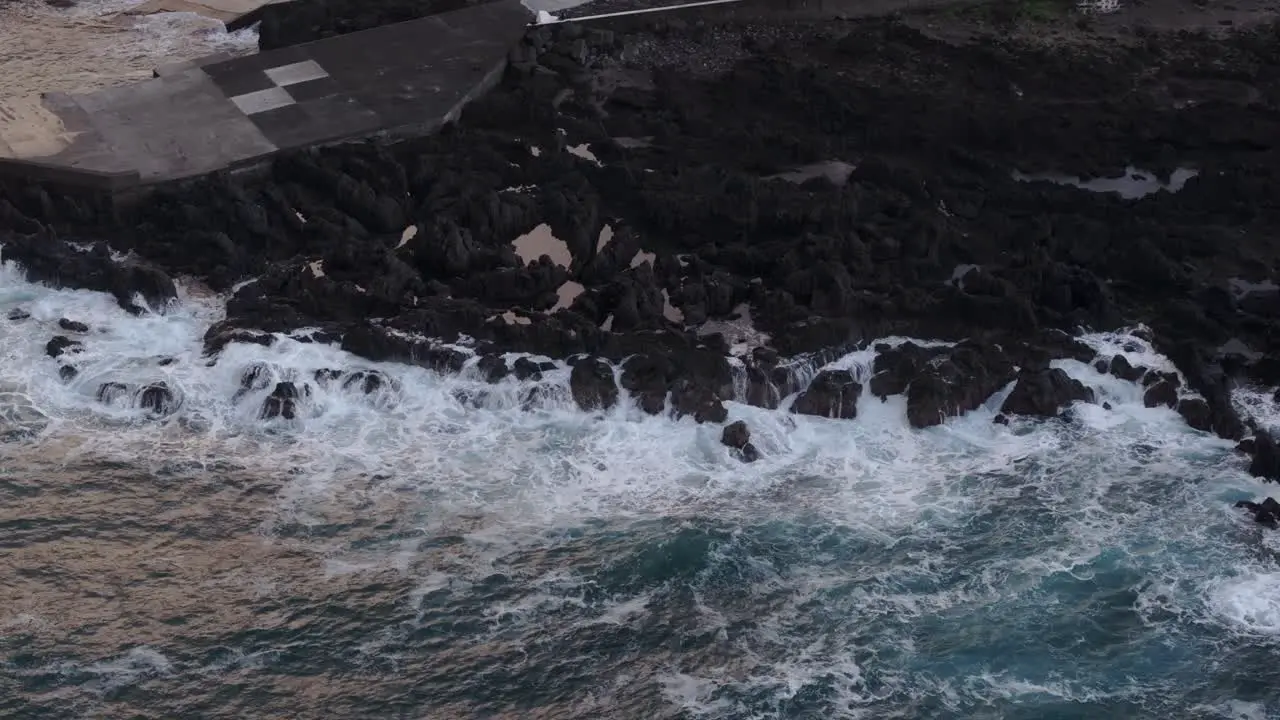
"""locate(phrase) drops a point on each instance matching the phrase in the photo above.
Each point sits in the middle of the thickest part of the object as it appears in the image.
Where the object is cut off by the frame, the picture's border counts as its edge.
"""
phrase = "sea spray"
(480, 547)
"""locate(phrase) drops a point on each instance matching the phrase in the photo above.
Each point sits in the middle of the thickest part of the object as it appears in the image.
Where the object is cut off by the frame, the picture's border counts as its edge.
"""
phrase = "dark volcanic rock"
(492, 368)
(72, 326)
(283, 401)
(67, 373)
(365, 381)
(1266, 458)
(895, 368)
(157, 399)
(961, 382)
(1266, 512)
(1044, 393)
(929, 237)
(691, 398)
(591, 383)
(526, 369)
(255, 377)
(60, 345)
(832, 394)
(646, 377)
(54, 262)
(1163, 393)
(111, 392)
(1197, 413)
(736, 435)
(1121, 368)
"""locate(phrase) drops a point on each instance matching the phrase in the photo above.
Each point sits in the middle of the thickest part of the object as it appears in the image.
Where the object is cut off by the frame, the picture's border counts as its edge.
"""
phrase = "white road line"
(555, 20)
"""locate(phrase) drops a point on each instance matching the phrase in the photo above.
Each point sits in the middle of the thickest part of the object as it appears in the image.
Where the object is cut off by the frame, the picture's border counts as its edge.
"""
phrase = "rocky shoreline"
(719, 210)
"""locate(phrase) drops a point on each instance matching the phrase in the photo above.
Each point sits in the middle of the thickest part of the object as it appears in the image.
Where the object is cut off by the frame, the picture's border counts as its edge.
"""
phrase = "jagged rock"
(1155, 376)
(1121, 368)
(61, 345)
(1197, 413)
(283, 401)
(691, 398)
(365, 381)
(67, 373)
(831, 394)
(255, 377)
(957, 384)
(53, 261)
(928, 239)
(895, 368)
(72, 326)
(737, 436)
(526, 369)
(111, 392)
(1266, 512)
(646, 377)
(592, 386)
(1163, 393)
(1266, 458)
(1045, 393)
(492, 368)
(326, 376)
(157, 399)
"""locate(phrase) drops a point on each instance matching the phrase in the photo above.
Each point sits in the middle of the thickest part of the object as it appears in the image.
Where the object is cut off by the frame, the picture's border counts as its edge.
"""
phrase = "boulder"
(1266, 457)
(1197, 413)
(492, 368)
(1121, 368)
(1266, 512)
(957, 384)
(1161, 394)
(72, 326)
(831, 394)
(689, 397)
(737, 436)
(592, 386)
(109, 393)
(157, 399)
(367, 382)
(647, 377)
(60, 345)
(1045, 393)
(526, 369)
(283, 401)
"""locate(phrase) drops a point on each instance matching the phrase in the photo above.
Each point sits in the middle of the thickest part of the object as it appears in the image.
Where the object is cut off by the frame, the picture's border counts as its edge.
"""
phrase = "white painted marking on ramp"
(553, 19)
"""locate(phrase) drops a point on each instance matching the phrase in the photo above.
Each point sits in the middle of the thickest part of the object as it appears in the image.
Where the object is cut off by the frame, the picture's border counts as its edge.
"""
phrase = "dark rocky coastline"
(838, 182)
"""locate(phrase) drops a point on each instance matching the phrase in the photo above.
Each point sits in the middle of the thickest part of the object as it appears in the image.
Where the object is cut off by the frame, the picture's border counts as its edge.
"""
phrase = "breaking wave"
(435, 548)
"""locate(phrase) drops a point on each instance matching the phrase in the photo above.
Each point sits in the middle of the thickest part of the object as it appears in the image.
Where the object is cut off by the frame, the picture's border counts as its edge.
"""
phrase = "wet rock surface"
(395, 250)
(1045, 393)
(832, 394)
(737, 436)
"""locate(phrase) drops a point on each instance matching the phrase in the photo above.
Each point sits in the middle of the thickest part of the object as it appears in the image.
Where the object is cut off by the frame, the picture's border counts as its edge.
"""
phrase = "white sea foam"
(1250, 601)
(1109, 490)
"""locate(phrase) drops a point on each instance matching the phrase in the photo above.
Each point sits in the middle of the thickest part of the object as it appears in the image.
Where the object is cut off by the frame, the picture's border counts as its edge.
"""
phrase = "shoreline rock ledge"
(652, 201)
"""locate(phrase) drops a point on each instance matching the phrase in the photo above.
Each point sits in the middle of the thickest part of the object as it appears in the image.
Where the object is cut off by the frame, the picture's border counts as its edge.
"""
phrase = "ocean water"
(428, 552)
(99, 43)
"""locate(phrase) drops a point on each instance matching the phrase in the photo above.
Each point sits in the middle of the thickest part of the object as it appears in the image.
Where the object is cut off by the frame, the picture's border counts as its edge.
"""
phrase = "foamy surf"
(545, 561)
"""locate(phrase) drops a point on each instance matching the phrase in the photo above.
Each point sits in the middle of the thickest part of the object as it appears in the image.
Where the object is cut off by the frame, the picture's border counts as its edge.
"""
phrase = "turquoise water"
(410, 555)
